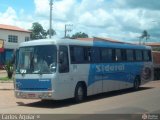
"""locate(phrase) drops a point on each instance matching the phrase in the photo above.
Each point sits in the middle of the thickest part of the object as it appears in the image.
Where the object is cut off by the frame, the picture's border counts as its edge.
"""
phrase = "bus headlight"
(18, 94)
(49, 94)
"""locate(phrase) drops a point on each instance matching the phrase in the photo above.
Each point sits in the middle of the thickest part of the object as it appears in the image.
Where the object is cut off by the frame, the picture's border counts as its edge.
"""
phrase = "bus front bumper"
(34, 95)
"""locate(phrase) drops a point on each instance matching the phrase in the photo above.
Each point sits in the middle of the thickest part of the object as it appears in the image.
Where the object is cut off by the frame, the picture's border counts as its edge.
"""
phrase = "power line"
(67, 29)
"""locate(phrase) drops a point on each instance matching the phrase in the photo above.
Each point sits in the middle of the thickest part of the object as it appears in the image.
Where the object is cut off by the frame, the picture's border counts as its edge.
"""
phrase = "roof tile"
(13, 28)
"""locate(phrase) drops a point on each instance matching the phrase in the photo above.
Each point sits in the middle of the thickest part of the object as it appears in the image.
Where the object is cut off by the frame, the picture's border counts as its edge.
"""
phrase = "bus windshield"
(37, 60)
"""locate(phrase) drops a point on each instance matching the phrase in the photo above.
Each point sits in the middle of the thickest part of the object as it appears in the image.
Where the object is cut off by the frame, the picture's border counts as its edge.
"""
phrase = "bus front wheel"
(79, 93)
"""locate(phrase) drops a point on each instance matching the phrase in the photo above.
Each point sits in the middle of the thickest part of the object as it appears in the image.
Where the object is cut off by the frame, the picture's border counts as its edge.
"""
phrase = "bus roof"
(78, 42)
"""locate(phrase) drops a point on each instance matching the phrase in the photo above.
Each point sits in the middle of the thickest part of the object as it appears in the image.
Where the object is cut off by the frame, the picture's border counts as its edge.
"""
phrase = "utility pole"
(67, 29)
(50, 21)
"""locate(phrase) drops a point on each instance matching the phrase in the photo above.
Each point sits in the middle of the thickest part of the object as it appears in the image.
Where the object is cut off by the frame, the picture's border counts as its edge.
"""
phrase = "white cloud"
(96, 18)
(62, 9)
(9, 16)
(118, 19)
(41, 7)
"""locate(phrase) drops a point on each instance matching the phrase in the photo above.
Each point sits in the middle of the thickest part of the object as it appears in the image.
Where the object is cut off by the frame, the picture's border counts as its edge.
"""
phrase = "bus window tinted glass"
(130, 55)
(118, 55)
(87, 54)
(63, 59)
(95, 55)
(139, 56)
(80, 54)
(106, 55)
(76, 54)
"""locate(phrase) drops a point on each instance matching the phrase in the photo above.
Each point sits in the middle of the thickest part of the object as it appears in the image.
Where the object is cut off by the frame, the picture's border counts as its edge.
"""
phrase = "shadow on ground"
(69, 102)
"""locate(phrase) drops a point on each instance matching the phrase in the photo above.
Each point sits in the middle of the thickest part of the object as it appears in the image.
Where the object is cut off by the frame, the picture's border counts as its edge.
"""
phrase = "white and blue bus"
(55, 69)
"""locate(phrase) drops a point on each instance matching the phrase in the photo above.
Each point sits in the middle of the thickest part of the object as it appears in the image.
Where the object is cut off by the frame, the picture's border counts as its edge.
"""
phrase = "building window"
(12, 38)
(27, 39)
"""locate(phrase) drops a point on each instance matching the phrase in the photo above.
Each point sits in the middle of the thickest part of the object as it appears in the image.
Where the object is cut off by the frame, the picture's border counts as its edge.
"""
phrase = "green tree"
(80, 35)
(37, 31)
(53, 32)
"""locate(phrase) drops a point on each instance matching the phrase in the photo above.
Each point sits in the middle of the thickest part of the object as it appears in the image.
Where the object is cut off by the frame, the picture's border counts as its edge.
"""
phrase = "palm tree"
(145, 35)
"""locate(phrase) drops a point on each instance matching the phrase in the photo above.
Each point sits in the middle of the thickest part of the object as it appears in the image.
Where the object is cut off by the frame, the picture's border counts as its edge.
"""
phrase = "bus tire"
(136, 83)
(79, 93)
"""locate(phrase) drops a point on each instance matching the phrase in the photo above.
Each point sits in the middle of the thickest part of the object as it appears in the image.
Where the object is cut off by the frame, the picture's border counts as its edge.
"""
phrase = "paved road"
(146, 100)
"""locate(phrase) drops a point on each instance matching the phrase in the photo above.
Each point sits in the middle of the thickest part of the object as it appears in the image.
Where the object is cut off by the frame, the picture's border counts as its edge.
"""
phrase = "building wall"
(156, 57)
(8, 45)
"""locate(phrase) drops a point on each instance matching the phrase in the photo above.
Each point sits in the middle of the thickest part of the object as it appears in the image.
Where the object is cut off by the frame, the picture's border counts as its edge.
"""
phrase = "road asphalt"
(145, 100)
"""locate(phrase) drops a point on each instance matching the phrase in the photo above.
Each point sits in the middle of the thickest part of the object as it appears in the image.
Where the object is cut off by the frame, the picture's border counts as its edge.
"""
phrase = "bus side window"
(95, 55)
(118, 55)
(130, 55)
(106, 55)
(139, 55)
(63, 59)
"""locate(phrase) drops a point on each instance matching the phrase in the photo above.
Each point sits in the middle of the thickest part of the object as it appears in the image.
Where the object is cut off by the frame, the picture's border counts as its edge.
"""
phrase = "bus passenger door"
(95, 71)
(64, 80)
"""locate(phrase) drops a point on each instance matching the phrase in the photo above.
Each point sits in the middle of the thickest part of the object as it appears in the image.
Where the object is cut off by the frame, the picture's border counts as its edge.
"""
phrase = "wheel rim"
(80, 93)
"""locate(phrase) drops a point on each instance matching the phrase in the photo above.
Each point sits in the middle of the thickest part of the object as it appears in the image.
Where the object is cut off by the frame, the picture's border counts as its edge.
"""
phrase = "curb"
(6, 89)
(6, 81)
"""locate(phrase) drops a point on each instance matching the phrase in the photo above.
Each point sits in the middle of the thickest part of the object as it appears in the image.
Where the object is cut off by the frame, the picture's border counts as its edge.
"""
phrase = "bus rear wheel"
(79, 93)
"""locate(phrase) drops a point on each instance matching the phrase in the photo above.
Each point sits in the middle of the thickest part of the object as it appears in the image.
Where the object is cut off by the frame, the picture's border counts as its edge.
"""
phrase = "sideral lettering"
(109, 68)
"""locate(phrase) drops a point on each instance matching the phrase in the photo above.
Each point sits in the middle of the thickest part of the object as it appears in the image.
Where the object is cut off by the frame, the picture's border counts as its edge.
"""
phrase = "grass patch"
(5, 79)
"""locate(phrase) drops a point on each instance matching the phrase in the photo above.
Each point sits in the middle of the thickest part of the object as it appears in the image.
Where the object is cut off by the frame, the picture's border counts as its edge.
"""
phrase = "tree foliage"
(53, 32)
(38, 32)
(80, 35)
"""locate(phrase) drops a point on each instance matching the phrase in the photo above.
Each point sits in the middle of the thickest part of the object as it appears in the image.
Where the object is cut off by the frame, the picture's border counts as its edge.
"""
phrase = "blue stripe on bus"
(125, 72)
(33, 84)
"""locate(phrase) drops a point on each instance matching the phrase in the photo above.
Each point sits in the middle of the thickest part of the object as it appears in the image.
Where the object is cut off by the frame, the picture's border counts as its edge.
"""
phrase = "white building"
(11, 36)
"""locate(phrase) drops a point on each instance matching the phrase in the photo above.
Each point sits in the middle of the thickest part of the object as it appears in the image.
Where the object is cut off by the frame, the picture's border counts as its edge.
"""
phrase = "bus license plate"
(31, 95)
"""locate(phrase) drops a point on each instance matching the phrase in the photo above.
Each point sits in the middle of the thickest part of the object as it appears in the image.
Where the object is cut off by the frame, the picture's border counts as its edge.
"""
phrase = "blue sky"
(118, 19)
(27, 5)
